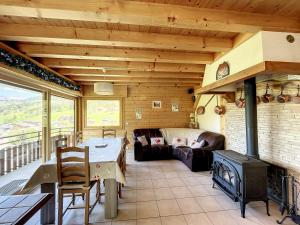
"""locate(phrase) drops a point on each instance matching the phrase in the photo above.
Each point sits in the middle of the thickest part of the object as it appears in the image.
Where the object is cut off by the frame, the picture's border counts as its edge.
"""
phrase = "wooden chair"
(74, 177)
(122, 165)
(109, 133)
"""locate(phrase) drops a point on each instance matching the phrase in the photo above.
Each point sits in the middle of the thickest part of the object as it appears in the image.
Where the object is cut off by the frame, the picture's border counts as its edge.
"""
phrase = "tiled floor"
(168, 193)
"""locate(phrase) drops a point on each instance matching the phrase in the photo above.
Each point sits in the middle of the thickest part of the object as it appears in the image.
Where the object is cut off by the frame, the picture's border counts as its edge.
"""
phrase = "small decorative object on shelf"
(222, 71)
(28, 66)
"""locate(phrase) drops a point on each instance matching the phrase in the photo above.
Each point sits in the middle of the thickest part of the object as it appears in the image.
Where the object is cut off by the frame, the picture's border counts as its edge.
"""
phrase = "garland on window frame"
(28, 66)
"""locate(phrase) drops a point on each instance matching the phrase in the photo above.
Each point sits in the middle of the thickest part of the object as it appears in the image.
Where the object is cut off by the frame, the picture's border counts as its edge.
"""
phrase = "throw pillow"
(177, 141)
(196, 144)
(157, 141)
(143, 140)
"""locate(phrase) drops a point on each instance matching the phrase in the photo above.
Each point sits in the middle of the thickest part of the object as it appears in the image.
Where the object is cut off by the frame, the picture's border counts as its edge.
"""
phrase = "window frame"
(121, 113)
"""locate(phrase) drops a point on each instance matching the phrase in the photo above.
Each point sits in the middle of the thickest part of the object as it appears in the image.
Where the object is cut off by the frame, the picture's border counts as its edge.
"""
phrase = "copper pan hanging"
(296, 99)
(266, 98)
(283, 98)
(240, 102)
(219, 109)
(201, 109)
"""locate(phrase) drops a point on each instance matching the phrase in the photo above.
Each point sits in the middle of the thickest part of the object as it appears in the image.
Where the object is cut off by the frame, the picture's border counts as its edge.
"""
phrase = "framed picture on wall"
(175, 107)
(156, 104)
(138, 114)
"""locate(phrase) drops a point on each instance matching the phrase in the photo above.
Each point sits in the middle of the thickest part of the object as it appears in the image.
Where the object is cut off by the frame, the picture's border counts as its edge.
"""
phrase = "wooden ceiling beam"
(119, 65)
(135, 80)
(149, 14)
(112, 38)
(97, 53)
(119, 73)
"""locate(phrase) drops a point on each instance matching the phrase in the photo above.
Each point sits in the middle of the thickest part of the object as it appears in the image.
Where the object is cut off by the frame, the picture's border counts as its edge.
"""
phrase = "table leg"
(111, 198)
(48, 211)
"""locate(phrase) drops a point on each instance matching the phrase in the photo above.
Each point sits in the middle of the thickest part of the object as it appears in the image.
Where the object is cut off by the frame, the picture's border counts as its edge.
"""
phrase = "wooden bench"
(18, 209)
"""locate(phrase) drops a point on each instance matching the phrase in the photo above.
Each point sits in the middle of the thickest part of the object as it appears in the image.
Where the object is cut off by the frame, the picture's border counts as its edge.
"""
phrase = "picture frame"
(156, 104)
(138, 114)
(175, 107)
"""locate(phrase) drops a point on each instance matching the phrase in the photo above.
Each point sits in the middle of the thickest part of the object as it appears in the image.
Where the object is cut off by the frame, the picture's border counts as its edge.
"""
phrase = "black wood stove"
(243, 177)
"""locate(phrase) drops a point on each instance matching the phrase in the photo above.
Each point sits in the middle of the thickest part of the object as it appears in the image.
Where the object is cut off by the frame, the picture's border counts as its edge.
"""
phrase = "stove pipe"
(251, 118)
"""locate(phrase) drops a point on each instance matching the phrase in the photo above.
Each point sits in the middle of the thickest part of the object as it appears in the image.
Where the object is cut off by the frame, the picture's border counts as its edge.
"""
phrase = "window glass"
(20, 131)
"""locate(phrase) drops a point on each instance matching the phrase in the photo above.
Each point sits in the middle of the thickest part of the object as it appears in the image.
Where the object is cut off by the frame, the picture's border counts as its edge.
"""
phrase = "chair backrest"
(73, 166)
(79, 137)
(61, 142)
(109, 133)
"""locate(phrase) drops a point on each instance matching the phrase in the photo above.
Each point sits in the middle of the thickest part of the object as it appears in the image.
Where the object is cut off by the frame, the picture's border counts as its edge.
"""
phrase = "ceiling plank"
(149, 14)
(158, 84)
(119, 65)
(97, 53)
(118, 73)
(135, 80)
(112, 38)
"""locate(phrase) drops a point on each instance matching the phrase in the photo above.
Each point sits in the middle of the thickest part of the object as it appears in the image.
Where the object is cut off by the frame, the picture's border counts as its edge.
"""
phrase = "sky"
(12, 92)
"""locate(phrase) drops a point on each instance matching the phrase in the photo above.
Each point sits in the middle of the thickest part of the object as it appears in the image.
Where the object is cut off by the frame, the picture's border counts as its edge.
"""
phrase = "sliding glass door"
(20, 129)
(62, 122)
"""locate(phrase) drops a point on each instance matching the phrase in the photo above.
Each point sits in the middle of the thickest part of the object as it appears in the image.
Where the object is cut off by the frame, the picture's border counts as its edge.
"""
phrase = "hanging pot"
(266, 98)
(283, 98)
(219, 110)
(257, 100)
(201, 109)
(240, 103)
(296, 99)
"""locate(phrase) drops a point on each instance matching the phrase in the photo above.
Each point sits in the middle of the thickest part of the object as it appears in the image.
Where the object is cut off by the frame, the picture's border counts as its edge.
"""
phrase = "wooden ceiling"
(153, 42)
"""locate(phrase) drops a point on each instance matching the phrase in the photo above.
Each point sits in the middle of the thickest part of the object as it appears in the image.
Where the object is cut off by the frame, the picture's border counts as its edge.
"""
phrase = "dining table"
(104, 154)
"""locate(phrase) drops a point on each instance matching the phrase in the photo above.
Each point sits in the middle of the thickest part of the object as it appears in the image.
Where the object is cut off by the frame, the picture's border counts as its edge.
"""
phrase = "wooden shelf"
(227, 84)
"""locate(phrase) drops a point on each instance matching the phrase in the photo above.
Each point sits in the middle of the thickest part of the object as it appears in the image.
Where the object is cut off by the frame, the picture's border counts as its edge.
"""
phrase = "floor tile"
(209, 204)
(149, 221)
(197, 219)
(160, 183)
(126, 211)
(173, 220)
(163, 193)
(221, 218)
(147, 209)
(181, 192)
(226, 202)
(145, 195)
(144, 184)
(124, 222)
(170, 174)
(128, 196)
(198, 190)
(168, 207)
(175, 182)
(189, 205)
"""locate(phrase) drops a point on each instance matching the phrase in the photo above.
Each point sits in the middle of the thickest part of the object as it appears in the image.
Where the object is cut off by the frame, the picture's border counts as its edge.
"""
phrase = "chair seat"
(77, 186)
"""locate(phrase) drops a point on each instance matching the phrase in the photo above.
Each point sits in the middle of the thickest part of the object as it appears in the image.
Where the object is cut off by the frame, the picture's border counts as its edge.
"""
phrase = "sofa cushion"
(196, 144)
(148, 132)
(178, 141)
(143, 140)
(157, 141)
(190, 134)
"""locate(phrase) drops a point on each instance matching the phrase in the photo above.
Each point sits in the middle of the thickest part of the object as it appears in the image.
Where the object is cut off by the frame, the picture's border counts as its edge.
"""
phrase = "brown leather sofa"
(199, 159)
(148, 152)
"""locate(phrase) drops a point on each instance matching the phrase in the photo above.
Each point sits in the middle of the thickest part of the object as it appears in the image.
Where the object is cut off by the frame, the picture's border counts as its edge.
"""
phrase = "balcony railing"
(19, 150)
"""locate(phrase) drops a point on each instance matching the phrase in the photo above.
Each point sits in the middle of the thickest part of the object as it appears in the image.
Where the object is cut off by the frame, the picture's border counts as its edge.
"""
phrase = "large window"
(62, 121)
(20, 129)
(103, 113)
